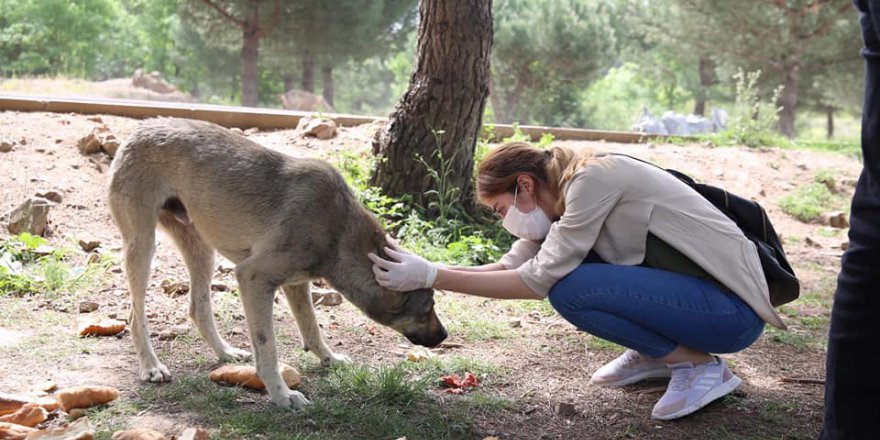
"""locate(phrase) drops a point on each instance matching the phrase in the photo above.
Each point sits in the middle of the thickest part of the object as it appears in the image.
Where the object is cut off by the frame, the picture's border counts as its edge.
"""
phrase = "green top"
(660, 255)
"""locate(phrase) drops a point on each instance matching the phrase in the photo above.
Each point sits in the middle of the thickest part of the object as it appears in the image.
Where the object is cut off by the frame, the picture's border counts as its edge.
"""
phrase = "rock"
(89, 244)
(5, 145)
(110, 144)
(302, 100)
(327, 297)
(565, 409)
(173, 332)
(515, 323)
(252, 130)
(95, 119)
(174, 289)
(317, 127)
(50, 195)
(236, 130)
(152, 81)
(844, 246)
(225, 268)
(47, 387)
(32, 216)
(193, 434)
(23, 141)
(219, 287)
(811, 243)
(835, 219)
(88, 306)
(89, 144)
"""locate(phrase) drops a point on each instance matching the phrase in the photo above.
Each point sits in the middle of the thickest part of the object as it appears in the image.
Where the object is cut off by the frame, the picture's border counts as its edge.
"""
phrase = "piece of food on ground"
(246, 376)
(138, 434)
(30, 415)
(106, 327)
(85, 397)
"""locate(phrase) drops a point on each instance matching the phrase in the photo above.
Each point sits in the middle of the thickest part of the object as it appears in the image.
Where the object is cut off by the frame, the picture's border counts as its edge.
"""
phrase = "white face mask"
(531, 226)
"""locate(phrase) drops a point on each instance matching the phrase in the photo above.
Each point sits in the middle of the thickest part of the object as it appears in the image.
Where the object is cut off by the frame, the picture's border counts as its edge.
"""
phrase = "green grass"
(599, 344)
(471, 321)
(384, 402)
(809, 202)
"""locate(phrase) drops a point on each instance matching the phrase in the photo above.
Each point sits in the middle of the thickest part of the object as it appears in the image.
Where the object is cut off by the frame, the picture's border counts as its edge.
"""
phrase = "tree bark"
(443, 105)
(327, 83)
(829, 114)
(789, 98)
(308, 74)
(707, 79)
(250, 53)
(498, 106)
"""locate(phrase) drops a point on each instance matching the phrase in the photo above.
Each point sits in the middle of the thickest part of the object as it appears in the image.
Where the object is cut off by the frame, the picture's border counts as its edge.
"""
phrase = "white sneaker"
(629, 368)
(693, 387)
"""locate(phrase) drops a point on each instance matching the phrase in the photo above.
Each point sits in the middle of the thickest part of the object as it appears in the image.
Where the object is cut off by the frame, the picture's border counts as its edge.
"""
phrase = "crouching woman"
(624, 251)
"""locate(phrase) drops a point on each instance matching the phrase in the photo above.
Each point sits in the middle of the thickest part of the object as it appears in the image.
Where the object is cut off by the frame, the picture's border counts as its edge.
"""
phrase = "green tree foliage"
(545, 53)
(53, 36)
(788, 40)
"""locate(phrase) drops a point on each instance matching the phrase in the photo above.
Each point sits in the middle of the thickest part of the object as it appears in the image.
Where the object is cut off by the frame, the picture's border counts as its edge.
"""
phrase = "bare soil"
(543, 361)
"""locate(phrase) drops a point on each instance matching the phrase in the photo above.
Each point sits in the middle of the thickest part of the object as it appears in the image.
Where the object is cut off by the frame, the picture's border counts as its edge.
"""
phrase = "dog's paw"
(156, 373)
(291, 398)
(232, 354)
(336, 359)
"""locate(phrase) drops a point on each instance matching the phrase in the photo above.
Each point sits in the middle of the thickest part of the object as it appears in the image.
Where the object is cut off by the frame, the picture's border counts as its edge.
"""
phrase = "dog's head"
(410, 313)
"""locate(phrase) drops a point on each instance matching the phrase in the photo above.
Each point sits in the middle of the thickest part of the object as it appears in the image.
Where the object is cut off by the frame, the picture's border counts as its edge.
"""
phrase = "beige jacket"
(611, 207)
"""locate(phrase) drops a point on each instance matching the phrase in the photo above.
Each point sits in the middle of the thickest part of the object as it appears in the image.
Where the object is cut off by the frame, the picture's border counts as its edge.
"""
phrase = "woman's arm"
(498, 284)
(491, 267)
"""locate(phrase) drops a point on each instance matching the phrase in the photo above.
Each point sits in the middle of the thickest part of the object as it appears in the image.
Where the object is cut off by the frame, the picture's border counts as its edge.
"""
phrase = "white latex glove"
(408, 272)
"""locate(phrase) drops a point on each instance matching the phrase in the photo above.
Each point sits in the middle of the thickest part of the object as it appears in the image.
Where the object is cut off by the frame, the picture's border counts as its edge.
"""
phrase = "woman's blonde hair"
(552, 169)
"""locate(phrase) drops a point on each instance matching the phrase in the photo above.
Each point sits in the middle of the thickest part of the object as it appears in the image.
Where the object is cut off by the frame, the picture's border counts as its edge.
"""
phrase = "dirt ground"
(541, 360)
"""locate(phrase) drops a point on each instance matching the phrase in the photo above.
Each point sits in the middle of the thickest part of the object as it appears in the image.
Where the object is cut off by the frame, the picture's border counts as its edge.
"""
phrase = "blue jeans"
(654, 311)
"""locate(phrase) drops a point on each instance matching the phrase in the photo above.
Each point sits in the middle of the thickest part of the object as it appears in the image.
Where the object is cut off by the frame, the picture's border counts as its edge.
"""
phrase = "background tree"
(322, 35)
(786, 39)
(254, 19)
(439, 117)
(545, 53)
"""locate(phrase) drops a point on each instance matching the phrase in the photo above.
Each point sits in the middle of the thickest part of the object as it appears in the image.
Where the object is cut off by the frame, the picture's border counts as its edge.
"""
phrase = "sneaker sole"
(715, 394)
(644, 375)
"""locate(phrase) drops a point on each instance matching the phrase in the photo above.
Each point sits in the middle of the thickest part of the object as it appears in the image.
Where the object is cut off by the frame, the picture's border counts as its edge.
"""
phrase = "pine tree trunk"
(788, 99)
(250, 53)
(446, 98)
(327, 83)
(308, 75)
(707, 79)
(829, 114)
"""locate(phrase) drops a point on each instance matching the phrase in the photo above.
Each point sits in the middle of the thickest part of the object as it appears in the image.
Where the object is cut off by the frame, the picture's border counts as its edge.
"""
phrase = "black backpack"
(751, 218)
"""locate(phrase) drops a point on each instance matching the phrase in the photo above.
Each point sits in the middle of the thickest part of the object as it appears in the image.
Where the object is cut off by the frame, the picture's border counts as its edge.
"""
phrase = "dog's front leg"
(257, 297)
(300, 301)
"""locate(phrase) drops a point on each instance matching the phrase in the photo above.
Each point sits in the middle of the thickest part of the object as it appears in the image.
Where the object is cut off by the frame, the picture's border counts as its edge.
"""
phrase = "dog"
(283, 221)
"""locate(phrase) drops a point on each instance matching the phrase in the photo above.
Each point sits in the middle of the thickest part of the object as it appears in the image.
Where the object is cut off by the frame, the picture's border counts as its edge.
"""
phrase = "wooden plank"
(268, 119)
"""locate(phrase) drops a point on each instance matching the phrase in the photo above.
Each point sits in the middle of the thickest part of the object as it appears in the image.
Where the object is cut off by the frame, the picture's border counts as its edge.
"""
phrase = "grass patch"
(599, 344)
(792, 338)
(525, 307)
(471, 322)
(809, 202)
(348, 402)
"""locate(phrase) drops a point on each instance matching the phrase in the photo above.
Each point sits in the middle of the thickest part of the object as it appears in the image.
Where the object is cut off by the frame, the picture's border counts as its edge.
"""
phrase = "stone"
(89, 244)
(32, 217)
(844, 246)
(836, 219)
(89, 144)
(5, 145)
(317, 127)
(88, 306)
(327, 297)
(173, 289)
(812, 243)
(51, 195)
(305, 101)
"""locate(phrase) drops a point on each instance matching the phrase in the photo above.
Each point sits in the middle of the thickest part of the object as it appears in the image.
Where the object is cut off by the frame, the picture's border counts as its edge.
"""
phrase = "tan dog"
(282, 221)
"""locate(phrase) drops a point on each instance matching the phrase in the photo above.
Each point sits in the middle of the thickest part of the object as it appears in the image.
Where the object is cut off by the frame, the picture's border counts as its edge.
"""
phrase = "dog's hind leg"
(300, 301)
(138, 229)
(199, 259)
(258, 277)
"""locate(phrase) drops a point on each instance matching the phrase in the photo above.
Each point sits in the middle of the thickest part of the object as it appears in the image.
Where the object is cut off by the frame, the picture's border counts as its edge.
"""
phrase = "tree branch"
(227, 15)
(276, 12)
